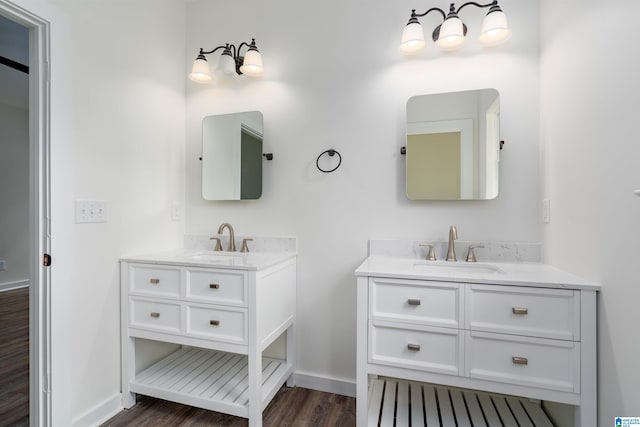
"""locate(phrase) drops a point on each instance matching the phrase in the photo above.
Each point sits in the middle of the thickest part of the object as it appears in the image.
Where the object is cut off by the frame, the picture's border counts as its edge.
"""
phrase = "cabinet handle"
(520, 310)
(413, 347)
(214, 286)
(414, 301)
(154, 281)
(214, 322)
(519, 360)
(155, 314)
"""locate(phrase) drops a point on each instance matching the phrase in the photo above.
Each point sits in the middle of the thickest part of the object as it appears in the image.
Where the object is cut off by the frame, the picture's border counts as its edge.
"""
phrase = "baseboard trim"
(10, 286)
(326, 384)
(99, 413)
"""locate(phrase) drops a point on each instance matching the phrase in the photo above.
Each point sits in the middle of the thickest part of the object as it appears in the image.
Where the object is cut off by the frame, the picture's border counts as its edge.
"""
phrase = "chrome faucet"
(451, 250)
(232, 243)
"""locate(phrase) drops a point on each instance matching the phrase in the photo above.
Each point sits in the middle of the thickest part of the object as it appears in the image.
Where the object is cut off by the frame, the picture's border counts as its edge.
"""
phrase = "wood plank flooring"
(295, 407)
(14, 358)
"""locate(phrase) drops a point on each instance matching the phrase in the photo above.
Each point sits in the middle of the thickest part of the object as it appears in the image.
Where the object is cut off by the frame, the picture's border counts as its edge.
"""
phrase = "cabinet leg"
(291, 353)
(128, 400)
(255, 388)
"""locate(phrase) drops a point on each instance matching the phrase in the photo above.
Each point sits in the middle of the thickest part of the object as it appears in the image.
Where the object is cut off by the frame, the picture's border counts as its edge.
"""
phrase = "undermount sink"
(215, 257)
(459, 268)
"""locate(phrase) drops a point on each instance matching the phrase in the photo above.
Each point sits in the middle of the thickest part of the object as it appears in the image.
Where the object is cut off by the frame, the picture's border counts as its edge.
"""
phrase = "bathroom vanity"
(223, 309)
(445, 330)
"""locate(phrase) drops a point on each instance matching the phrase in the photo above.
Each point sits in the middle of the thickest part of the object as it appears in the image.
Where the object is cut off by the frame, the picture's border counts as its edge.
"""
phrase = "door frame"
(39, 213)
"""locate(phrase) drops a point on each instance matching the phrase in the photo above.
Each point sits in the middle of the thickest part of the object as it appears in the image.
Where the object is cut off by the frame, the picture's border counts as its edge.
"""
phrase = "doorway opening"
(24, 215)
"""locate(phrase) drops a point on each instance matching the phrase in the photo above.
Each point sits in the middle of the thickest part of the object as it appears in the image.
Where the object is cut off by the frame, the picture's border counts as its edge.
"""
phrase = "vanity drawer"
(216, 287)
(154, 315)
(226, 324)
(416, 301)
(154, 280)
(536, 362)
(534, 312)
(417, 347)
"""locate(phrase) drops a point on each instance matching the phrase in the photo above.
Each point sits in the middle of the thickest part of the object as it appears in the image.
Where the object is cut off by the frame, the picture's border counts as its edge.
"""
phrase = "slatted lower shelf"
(209, 379)
(394, 403)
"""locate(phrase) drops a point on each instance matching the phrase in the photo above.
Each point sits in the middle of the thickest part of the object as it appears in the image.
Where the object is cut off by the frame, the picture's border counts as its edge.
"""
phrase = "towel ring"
(331, 152)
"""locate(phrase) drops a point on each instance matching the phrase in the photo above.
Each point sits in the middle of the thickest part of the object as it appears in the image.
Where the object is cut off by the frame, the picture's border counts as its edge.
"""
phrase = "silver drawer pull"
(519, 360)
(521, 311)
(154, 281)
(155, 314)
(214, 286)
(214, 322)
(413, 301)
(413, 347)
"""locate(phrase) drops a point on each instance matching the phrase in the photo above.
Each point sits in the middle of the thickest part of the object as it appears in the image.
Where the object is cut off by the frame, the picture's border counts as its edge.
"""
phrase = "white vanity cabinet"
(223, 318)
(529, 331)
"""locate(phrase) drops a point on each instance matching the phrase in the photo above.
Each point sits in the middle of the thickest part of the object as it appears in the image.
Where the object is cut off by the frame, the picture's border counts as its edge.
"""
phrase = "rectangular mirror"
(232, 156)
(453, 145)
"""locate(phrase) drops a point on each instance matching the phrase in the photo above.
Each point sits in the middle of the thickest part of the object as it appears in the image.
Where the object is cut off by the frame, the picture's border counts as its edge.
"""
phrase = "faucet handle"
(245, 247)
(218, 244)
(471, 255)
(431, 255)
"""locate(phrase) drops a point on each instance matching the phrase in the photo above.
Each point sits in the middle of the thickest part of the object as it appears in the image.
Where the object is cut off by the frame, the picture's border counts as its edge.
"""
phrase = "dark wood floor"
(299, 407)
(14, 357)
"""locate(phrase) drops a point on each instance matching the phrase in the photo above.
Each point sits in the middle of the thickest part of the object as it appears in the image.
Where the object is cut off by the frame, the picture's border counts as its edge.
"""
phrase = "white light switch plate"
(546, 211)
(88, 211)
(176, 211)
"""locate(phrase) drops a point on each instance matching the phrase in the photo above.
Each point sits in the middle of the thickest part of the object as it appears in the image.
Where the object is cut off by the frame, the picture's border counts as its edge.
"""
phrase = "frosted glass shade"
(451, 34)
(494, 29)
(252, 65)
(226, 66)
(412, 38)
(200, 72)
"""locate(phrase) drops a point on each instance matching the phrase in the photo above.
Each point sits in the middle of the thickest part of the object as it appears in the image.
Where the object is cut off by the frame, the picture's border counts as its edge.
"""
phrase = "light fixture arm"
(433, 9)
(472, 3)
(202, 52)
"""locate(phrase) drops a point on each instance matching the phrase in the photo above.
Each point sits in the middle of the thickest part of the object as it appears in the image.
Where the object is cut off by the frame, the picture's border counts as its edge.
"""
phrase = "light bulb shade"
(451, 34)
(252, 65)
(200, 71)
(494, 29)
(412, 38)
(226, 65)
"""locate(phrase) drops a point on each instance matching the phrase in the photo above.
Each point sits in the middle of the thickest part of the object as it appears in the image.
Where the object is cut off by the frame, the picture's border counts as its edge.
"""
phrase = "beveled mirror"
(232, 156)
(453, 145)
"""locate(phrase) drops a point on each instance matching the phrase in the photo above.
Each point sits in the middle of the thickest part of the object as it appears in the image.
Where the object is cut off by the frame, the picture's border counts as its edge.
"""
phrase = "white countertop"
(496, 273)
(221, 259)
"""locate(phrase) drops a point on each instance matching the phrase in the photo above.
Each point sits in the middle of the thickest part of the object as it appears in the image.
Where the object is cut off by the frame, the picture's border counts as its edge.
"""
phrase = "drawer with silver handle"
(219, 323)
(536, 362)
(154, 315)
(518, 310)
(416, 302)
(216, 287)
(417, 347)
(159, 281)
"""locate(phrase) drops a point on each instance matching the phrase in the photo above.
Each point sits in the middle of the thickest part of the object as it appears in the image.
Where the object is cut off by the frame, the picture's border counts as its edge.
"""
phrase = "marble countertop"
(211, 259)
(496, 273)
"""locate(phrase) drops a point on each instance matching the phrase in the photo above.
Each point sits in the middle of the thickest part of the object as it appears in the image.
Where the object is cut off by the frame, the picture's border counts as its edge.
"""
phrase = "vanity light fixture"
(451, 33)
(230, 64)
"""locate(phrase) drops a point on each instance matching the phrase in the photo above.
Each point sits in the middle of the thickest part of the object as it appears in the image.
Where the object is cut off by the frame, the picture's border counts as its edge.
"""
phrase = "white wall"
(335, 79)
(14, 191)
(590, 153)
(128, 142)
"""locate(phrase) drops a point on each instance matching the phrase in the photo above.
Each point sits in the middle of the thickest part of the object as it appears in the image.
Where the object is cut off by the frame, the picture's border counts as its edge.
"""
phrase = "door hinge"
(46, 260)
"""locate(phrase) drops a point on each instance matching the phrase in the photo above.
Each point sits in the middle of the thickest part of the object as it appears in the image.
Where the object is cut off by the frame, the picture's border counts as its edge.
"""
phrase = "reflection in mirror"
(232, 156)
(453, 144)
